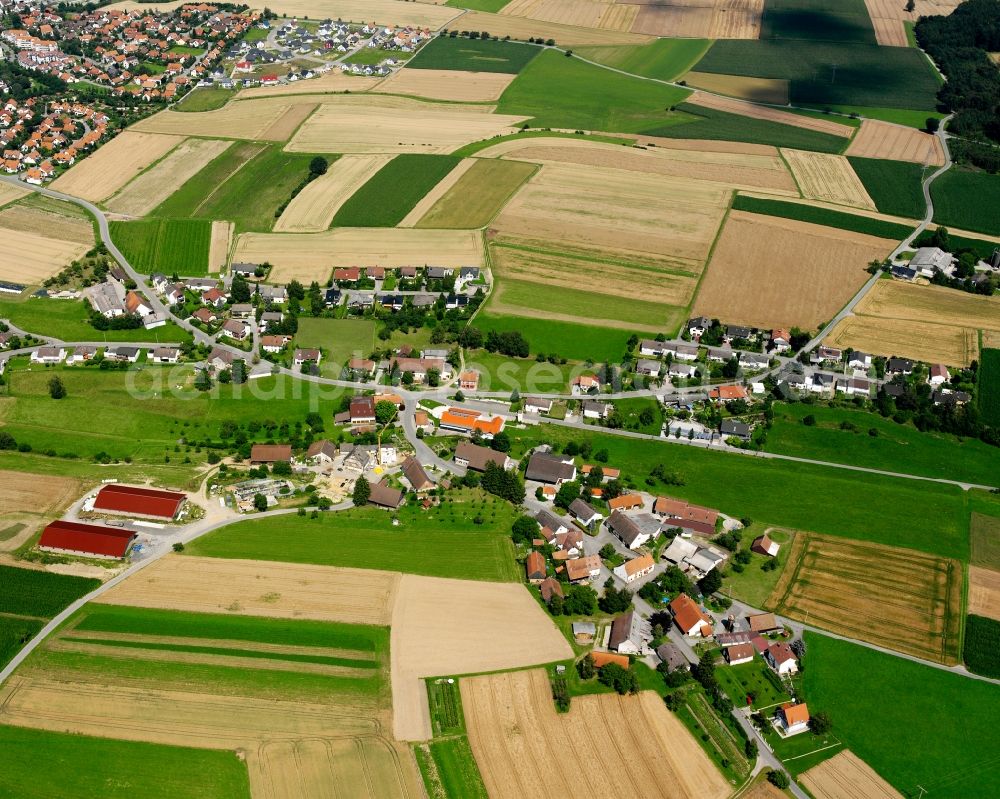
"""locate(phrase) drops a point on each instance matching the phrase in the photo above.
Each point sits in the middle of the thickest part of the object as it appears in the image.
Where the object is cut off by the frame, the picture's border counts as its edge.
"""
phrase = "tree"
(704, 672)
(910, 5)
(809, 421)
(581, 600)
(500, 442)
(318, 166)
(820, 724)
(56, 388)
(556, 604)
(362, 491)
(324, 503)
(7, 440)
(778, 779)
(567, 492)
(624, 681)
(384, 412)
(615, 600)
(585, 668)
(433, 377)
(503, 483)
(240, 289)
(523, 530)
(608, 551)
(601, 456)
(282, 468)
(711, 582)
(202, 381)
(407, 378)
(932, 123)
(259, 502)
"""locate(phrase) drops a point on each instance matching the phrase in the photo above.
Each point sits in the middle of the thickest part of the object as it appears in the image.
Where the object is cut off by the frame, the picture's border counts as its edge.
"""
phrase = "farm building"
(467, 421)
(114, 498)
(322, 451)
(629, 634)
(579, 569)
(88, 540)
(689, 617)
(472, 456)
(385, 496)
(547, 518)
(692, 519)
(625, 502)
(763, 623)
(669, 653)
(763, 545)
(739, 653)
(625, 529)
(534, 566)
(584, 632)
(583, 513)
(546, 468)
(794, 718)
(270, 453)
(416, 475)
(632, 570)
(550, 587)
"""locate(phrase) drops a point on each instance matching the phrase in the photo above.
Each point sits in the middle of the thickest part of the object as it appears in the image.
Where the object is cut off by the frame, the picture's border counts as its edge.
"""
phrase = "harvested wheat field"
(894, 299)
(445, 185)
(266, 119)
(523, 28)
(332, 82)
(991, 339)
(762, 789)
(700, 19)
(442, 626)
(446, 84)
(260, 588)
(769, 272)
(888, 15)
(760, 90)
(312, 256)
(847, 776)
(954, 346)
(218, 249)
(105, 171)
(26, 219)
(36, 493)
(901, 599)
(512, 720)
(984, 592)
(30, 258)
(743, 108)
(387, 12)
(152, 187)
(877, 139)
(828, 177)
(582, 13)
(9, 193)
(385, 124)
(314, 207)
(477, 195)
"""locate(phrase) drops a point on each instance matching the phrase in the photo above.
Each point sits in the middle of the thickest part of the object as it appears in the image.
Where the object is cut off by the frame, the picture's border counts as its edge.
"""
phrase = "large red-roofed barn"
(139, 501)
(90, 540)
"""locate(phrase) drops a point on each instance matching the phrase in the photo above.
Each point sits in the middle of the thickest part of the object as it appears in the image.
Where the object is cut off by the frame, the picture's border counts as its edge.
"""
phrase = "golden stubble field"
(523, 28)
(770, 272)
(38, 244)
(521, 743)
(901, 599)
(732, 106)
(935, 304)
(36, 493)
(888, 16)
(442, 626)
(846, 776)
(105, 171)
(445, 185)
(218, 248)
(984, 592)
(447, 84)
(760, 90)
(263, 119)
(153, 186)
(953, 346)
(476, 196)
(9, 193)
(830, 178)
(332, 82)
(581, 13)
(701, 19)
(877, 139)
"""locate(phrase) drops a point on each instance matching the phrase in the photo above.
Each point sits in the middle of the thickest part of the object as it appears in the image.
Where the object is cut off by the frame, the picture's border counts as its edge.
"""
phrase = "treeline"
(24, 83)
(960, 45)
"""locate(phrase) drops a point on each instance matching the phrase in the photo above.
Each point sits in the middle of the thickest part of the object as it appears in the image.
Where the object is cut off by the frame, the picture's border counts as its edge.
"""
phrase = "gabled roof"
(89, 539)
(795, 714)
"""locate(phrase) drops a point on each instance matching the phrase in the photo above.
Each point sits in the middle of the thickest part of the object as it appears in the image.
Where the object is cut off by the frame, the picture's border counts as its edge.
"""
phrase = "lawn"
(441, 542)
(924, 516)
(171, 246)
(79, 766)
(754, 585)
(914, 704)
(665, 59)
(631, 410)
(988, 390)
(822, 216)
(841, 435)
(374, 55)
(478, 195)
(392, 192)
(833, 73)
(815, 20)
(561, 92)
(67, 320)
(501, 373)
(339, 339)
(205, 98)
(750, 679)
(457, 769)
(474, 55)
(894, 186)
(29, 592)
(574, 341)
(967, 200)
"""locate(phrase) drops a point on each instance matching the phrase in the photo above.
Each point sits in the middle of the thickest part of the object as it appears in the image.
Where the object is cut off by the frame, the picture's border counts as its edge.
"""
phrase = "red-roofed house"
(794, 718)
(114, 498)
(534, 565)
(781, 658)
(689, 618)
(89, 540)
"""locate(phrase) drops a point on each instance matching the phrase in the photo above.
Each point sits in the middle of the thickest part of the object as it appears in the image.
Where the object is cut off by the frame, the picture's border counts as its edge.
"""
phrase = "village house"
(793, 718)
(647, 367)
(164, 354)
(584, 632)
(137, 304)
(361, 367)
(727, 394)
(213, 298)
(544, 467)
(630, 634)
(472, 456)
(235, 329)
(669, 654)
(594, 409)
(938, 375)
(780, 340)
(585, 384)
(626, 502)
(697, 326)
(582, 569)
(738, 653)
(626, 530)
(420, 367)
(691, 519)
(467, 421)
(550, 587)
(362, 410)
(534, 566)
(735, 428)
(752, 361)
(861, 361)
(385, 496)
(537, 405)
(547, 519)
(322, 452)
(780, 657)
(763, 545)
(304, 356)
(689, 618)
(417, 476)
(274, 344)
(468, 380)
(48, 355)
(635, 568)
(205, 316)
(584, 514)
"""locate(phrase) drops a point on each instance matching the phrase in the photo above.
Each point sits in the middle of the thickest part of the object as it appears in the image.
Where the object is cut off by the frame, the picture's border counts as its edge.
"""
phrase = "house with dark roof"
(550, 587)
(735, 429)
(270, 453)
(384, 495)
(630, 634)
(475, 457)
(626, 530)
(671, 655)
(583, 513)
(416, 475)
(322, 451)
(544, 467)
(547, 519)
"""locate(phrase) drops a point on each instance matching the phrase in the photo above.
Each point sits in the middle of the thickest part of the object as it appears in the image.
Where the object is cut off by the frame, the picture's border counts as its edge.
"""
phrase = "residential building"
(550, 587)
(416, 475)
(625, 529)
(689, 618)
(537, 405)
(735, 429)
(793, 718)
(322, 451)
(781, 658)
(48, 355)
(626, 502)
(763, 623)
(385, 496)
(472, 456)
(304, 356)
(534, 565)
(583, 513)
(544, 467)
(630, 634)
(738, 653)
(939, 374)
(636, 568)
(586, 568)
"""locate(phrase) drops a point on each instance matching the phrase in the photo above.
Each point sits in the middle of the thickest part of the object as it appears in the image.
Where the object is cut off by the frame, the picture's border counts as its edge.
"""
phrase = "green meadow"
(894, 186)
(967, 200)
(665, 59)
(822, 216)
(577, 342)
(171, 246)
(474, 55)
(339, 339)
(67, 320)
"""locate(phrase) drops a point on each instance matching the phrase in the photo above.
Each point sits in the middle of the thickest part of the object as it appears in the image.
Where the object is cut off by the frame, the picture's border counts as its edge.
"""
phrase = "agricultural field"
(439, 190)
(826, 217)
(80, 766)
(984, 592)
(67, 319)
(915, 702)
(758, 90)
(889, 18)
(798, 274)
(559, 92)
(982, 637)
(985, 541)
(205, 99)
(314, 207)
(386, 124)
(449, 769)
(802, 19)
(846, 776)
(445, 84)
(389, 12)
(897, 598)
(606, 15)
(260, 119)
(575, 340)
(720, 19)
(105, 171)
(444, 627)
(339, 339)
(312, 256)
(333, 82)
(522, 28)
(955, 346)
(392, 192)
(511, 718)
(171, 246)
(935, 304)
(445, 542)
(218, 248)
(499, 373)
(666, 59)
(260, 588)
(39, 244)
(743, 108)
(10, 193)
(989, 384)
(876, 139)
(967, 200)
(828, 178)
(460, 54)
(153, 186)
(894, 186)
(477, 195)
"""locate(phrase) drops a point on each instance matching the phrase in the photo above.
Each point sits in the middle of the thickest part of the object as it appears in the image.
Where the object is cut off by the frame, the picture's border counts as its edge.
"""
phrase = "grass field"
(78, 766)
(474, 55)
(894, 186)
(171, 246)
(500, 373)
(842, 435)
(14, 634)
(989, 386)
(456, 770)
(665, 59)
(707, 123)
(866, 75)
(985, 540)
(560, 92)
(392, 192)
(67, 320)
(339, 339)
(754, 585)
(28, 592)
(491, 6)
(914, 703)
(982, 643)
(744, 679)
(575, 341)
(801, 19)
(442, 542)
(478, 195)
(822, 216)
(932, 518)
(967, 200)
(205, 99)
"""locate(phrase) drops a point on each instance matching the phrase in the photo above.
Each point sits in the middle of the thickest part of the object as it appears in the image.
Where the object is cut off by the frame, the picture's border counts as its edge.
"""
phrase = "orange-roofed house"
(469, 380)
(689, 617)
(534, 566)
(580, 569)
(633, 569)
(794, 718)
(727, 393)
(626, 502)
